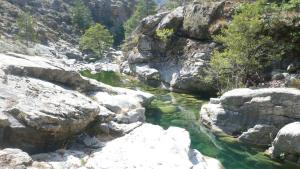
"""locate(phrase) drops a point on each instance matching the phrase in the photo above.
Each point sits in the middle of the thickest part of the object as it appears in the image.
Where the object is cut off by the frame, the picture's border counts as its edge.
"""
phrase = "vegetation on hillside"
(143, 9)
(164, 34)
(171, 4)
(81, 15)
(27, 25)
(259, 34)
(98, 39)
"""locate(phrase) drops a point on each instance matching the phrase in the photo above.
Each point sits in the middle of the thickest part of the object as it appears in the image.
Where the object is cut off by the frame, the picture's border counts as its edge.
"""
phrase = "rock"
(117, 129)
(181, 60)
(149, 23)
(14, 158)
(259, 135)
(43, 104)
(41, 114)
(202, 161)
(117, 103)
(132, 116)
(278, 76)
(92, 142)
(173, 20)
(146, 73)
(199, 17)
(287, 142)
(160, 148)
(242, 109)
(60, 159)
(137, 58)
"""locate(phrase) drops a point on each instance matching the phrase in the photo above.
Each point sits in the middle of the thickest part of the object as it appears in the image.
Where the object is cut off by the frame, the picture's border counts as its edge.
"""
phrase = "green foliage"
(27, 28)
(143, 9)
(251, 43)
(172, 4)
(164, 34)
(119, 35)
(98, 39)
(81, 15)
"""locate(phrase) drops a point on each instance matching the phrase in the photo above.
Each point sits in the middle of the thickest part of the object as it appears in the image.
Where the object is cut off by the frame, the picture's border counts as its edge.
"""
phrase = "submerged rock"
(241, 109)
(259, 135)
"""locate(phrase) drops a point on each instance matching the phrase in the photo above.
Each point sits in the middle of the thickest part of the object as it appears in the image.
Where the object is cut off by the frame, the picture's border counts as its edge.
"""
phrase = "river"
(182, 110)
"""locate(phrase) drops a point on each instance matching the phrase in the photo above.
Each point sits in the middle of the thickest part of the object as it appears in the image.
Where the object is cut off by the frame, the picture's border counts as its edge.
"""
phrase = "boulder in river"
(287, 143)
(148, 146)
(265, 110)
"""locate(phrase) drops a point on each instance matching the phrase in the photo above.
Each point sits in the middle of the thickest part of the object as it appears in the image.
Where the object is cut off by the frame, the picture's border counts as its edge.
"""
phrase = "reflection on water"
(182, 110)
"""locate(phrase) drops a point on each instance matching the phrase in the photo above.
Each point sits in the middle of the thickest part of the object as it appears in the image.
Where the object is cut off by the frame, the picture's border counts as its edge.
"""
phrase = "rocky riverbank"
(180, 62)
(261, 117)
(73, 121)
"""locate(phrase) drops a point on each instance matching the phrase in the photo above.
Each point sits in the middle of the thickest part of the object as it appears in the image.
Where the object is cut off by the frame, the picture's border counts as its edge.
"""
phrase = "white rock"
(287, 141)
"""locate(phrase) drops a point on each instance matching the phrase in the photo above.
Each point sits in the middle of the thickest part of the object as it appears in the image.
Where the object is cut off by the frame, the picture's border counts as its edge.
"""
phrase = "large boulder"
(199, 17)
(43, 104)
(148, 146)
(287, 143)
(14, 158)
(41, 114)
(241, 109)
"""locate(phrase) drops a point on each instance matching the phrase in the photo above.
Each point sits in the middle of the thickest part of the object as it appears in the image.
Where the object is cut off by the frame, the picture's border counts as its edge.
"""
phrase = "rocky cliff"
(179, 62)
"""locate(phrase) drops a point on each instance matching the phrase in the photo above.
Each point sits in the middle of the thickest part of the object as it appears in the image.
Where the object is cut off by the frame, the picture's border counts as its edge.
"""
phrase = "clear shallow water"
(182, 110)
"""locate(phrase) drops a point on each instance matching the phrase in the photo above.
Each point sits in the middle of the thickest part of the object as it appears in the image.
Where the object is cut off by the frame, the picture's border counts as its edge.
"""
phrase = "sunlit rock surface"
(147, 147)
(287, 143)
(241, 109)
(43, 103)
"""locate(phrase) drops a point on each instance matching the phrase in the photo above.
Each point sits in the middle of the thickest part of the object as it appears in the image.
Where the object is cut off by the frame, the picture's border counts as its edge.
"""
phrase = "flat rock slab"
(147, 147)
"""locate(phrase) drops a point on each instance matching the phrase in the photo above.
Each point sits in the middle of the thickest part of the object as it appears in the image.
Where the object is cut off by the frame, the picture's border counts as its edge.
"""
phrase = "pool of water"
(182, 110)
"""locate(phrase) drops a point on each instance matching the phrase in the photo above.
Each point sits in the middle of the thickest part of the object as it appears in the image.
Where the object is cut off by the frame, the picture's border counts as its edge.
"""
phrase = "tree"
(81, 15)
(27, 28)
(249, 48)
(98, 39)
(143, 9)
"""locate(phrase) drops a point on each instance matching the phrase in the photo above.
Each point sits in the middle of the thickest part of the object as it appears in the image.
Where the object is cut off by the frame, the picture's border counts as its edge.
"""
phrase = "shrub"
(164, 34)
(27, 25)
(257, 36)
(98, 39)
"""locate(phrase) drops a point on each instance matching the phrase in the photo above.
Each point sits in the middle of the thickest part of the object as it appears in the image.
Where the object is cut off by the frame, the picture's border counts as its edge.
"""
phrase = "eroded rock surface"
(146, 147)
(241, 109)
(287, 143)
(43, 104)
(180, 62)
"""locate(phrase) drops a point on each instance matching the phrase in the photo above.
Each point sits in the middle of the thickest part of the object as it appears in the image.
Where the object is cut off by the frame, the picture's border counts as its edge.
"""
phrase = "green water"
(182, 110)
